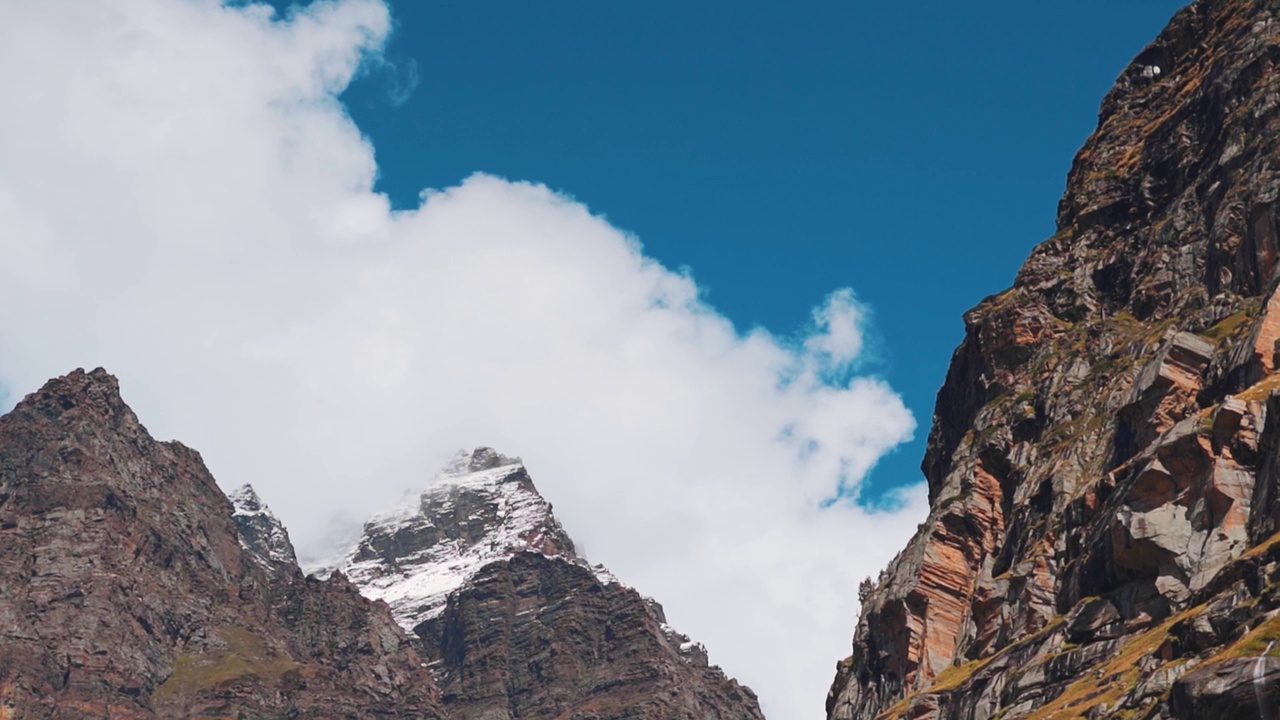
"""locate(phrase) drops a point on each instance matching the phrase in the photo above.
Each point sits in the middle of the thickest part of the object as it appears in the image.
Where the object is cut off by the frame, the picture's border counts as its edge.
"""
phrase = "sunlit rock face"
(514, 623)
(1102, 466)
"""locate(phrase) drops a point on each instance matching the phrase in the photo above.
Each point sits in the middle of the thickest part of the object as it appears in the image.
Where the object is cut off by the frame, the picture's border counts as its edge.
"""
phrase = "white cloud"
(839, 338)
(184, 201)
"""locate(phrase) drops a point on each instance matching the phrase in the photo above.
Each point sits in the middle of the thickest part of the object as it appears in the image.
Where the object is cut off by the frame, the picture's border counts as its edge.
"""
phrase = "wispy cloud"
(404, 80)
(184, 200)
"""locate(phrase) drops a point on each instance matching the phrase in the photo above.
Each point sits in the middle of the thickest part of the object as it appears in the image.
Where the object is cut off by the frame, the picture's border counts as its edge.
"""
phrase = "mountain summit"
(515, 623)
(262, 535)
(1104, 462)
(481, 508)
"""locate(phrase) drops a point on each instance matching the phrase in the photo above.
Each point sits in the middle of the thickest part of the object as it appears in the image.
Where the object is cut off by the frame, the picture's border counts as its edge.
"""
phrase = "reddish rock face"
(1104, 462)
(124, 591)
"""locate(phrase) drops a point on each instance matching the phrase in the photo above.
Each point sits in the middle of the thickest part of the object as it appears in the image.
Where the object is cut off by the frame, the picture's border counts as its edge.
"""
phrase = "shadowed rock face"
(542, 637)
(1103, 464)
(125, 592)
(517, 625)
(262, 536)
(1236, 689)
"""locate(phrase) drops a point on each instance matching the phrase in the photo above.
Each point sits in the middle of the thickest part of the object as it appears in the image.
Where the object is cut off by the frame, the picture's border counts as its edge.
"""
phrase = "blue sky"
(912, 151)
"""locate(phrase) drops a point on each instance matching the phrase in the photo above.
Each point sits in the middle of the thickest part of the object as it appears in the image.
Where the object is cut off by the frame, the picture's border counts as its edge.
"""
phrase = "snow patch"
(692, 652)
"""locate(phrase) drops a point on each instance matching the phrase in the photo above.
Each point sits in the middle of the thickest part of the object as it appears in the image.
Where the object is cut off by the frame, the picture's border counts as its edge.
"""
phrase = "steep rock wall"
(1102, 457)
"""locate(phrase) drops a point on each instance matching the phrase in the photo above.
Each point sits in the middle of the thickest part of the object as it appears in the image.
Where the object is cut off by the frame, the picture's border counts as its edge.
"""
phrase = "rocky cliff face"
(1103, 463)
(262, 536)
(125, 591)
(514, 622)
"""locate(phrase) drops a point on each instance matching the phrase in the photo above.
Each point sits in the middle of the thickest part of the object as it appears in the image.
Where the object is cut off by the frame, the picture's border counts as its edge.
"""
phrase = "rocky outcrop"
(262, 536)
(514, 623)
(1102, 465)
(542, 637)
(1240, 688)
(125, 591)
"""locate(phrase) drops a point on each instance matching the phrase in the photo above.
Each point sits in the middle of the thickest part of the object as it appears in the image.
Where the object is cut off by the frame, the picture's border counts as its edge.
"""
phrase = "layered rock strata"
(1102, 465)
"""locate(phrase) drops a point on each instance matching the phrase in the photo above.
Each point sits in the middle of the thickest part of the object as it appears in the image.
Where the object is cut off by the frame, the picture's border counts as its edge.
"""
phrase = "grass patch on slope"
(245, 656)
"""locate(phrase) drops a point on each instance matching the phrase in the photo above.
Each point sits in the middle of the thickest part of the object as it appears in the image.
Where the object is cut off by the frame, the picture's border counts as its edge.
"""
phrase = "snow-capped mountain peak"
(262, 535)
(481, 508)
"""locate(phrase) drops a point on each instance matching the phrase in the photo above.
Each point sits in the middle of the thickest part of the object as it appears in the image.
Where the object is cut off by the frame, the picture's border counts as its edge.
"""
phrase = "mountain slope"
(125, 593)
(1102, 462)
(515, 623)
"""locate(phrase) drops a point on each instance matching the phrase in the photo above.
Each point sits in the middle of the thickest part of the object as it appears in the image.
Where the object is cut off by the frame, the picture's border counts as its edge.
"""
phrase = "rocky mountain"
(515, 623)
(262, 536)
(127, 590)
(1104, 462)
(481, 508)
(132, 588)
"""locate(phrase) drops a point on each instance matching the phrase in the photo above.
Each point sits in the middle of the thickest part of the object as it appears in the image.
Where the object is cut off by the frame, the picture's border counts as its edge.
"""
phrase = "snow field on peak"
(481, 509)
(248, 508)
(417, 585)
(244, 501)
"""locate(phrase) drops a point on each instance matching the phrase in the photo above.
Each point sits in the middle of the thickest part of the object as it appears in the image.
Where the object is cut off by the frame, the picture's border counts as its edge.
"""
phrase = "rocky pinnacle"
(514, 622)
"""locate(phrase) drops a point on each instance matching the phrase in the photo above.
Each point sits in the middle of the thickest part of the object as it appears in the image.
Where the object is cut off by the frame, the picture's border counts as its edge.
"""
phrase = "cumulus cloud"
(838, 340)
(184, 201)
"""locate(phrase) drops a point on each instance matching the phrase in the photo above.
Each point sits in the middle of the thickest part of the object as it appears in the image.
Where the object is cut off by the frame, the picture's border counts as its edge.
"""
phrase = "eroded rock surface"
(1102, 466)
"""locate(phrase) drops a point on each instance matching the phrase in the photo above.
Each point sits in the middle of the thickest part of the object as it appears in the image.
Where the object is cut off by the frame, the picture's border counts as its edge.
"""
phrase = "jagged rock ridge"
(261, 533)
(515, 623)
(481, 508)
(125, 591)
(1103, 460)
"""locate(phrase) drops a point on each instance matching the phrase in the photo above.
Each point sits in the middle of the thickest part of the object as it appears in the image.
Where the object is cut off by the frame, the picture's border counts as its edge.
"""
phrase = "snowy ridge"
(480, 509)
(693, 652)
(261, 533)
(604, 577)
